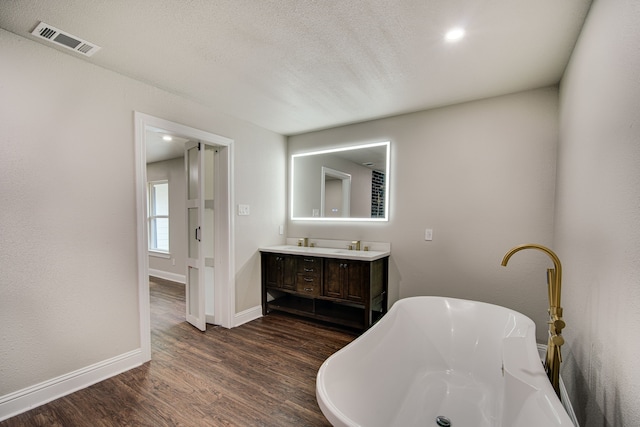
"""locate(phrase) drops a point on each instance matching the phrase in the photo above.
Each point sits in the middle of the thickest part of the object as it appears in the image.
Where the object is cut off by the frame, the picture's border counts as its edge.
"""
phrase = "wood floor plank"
(259, 374)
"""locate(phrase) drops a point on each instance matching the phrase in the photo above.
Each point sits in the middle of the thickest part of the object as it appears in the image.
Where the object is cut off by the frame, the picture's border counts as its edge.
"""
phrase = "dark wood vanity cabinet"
(348, 292)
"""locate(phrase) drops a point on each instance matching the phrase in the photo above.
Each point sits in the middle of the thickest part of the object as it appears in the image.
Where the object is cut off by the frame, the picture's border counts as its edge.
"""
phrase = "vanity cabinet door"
(357, 281)
(280, 271)
(346, 279)
(333, 272)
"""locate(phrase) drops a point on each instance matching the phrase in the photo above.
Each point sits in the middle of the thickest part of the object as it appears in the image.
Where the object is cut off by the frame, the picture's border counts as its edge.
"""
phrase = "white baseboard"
(174, 277)
(248, 315)
(240, 318)
(28, 398)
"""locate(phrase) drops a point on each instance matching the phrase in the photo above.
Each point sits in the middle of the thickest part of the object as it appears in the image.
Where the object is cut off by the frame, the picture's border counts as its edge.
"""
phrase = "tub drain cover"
(443, 421)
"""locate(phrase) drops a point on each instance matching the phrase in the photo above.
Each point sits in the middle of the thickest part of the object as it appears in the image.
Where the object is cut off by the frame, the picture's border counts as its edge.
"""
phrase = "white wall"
(173, 170)
(598, 216)
(482, 175)
(68, 288)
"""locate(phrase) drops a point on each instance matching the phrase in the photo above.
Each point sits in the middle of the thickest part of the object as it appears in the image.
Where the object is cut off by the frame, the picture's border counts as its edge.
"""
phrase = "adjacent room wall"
(173, 268)
(482, 176)
(598, 216)
(68, 288)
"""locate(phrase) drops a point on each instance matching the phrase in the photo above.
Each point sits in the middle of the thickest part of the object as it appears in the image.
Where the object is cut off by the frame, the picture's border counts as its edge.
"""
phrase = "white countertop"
(327, 252)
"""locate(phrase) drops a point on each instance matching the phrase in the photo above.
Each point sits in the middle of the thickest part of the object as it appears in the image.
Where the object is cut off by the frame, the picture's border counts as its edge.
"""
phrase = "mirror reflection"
(348, 183)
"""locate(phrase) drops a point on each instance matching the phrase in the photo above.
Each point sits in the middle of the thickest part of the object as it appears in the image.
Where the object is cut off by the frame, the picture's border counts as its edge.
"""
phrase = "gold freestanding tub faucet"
(556, 323)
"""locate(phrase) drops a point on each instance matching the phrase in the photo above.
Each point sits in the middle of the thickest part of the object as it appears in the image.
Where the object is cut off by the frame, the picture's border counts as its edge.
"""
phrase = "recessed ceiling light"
(167, 138)
(454, 34)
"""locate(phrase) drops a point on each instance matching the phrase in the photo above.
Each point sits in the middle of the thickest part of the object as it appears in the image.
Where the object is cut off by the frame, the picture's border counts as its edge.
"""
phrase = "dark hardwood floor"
(259, 374)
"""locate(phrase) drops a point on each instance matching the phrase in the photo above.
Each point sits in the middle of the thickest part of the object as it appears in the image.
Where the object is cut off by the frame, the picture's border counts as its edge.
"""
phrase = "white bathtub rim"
(331, 412)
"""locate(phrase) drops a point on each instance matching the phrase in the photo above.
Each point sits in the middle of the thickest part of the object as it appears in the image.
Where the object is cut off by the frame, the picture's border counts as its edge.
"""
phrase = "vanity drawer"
(309, 265)
(309, 284)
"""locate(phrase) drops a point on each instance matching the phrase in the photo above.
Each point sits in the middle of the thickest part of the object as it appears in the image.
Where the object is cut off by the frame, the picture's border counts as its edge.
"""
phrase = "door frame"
(224, 285)
(345, 179)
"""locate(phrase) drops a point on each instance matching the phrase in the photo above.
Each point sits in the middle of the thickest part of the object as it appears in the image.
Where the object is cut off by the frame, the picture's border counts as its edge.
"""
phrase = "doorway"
(224, 286)
(335, 193)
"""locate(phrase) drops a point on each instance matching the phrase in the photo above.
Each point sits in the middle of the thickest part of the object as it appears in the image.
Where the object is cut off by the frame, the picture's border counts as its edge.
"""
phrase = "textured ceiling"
(293, 66)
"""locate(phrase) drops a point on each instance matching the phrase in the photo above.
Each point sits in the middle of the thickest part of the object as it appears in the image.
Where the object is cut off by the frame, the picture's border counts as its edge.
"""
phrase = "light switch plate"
(243, 209)
(428, 234)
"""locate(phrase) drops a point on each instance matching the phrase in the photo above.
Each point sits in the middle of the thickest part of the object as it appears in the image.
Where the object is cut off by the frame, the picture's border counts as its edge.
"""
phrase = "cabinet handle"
(309, 260)
(308, 270)
(308, 289)
(308, 279)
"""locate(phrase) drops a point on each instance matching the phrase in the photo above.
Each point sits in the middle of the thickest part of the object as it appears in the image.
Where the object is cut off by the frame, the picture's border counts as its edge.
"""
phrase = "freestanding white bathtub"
(472, 363)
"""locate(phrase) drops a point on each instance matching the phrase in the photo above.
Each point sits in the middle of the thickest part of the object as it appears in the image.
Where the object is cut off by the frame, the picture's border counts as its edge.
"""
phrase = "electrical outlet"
(243, 209)
(428, 234)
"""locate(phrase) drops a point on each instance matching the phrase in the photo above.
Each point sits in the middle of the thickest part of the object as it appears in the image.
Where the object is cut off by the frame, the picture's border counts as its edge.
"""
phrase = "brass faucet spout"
(554, 276)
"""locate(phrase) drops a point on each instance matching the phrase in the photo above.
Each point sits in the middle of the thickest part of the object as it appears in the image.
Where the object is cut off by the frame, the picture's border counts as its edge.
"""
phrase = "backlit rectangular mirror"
(341, 184)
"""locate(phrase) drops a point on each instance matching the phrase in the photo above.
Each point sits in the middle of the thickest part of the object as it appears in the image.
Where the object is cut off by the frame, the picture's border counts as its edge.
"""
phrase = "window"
(159, 216)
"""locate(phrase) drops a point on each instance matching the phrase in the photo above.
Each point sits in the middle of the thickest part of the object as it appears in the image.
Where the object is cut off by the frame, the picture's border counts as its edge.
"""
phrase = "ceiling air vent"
(54, 35)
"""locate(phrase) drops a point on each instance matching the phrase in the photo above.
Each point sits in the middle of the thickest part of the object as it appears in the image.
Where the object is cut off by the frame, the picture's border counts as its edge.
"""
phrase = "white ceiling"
(293, 66)
(159, 149)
